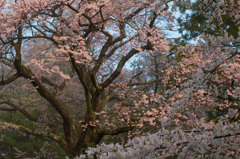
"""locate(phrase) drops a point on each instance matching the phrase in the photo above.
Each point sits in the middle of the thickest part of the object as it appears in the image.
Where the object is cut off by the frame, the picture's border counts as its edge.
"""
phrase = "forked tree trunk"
(90, 137)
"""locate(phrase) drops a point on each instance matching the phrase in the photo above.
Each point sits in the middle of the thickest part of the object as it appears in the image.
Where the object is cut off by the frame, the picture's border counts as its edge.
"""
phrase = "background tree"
(212, 19)
(195, 20)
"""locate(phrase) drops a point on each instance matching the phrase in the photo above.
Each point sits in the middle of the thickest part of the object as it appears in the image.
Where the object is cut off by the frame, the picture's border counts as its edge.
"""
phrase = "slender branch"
(18, 58)
(224, 136)
(101, 56)
(118, 46)
(72, 73)
(121, 64)
(8, 109)
(45, 35)
(21, 110)
(105, 100)
(9, 80)
(115, 131)
(122, 34)
(47, 81)
(55, 137)
(138, 74)
(229, 98)
(135, 12)
(54, 85)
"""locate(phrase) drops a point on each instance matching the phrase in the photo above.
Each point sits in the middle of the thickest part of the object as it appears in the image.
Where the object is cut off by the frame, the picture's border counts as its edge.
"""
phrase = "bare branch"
(55, 137)
(21, 110)
(118, 46)
(135, 12)
(138, 74)
(121, 64)
(8, 109)
(9, 80)
(47, 81)
(115, 131)
(72, 73)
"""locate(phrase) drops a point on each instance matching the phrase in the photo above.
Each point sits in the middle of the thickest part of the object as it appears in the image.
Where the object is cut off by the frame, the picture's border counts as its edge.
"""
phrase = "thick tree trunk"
(89, 138)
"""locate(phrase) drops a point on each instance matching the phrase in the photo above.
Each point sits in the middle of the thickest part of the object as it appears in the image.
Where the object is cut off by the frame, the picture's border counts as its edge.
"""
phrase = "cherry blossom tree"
(62, 53)
(68, 58)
